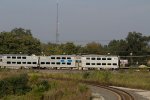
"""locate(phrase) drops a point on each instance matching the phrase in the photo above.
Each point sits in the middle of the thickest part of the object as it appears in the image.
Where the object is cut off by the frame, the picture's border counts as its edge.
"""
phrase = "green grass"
(42, 88)
(4, 73)
(54, 86)
(130, 78)
(139, 80)
(59, 90)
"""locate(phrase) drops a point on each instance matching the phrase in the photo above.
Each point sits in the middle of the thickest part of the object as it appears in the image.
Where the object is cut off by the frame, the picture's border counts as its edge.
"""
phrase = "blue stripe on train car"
(68, 61)
(62, 61)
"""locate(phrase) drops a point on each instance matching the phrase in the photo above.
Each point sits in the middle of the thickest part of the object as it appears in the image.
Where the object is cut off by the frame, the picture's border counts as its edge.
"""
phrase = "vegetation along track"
(121, 94)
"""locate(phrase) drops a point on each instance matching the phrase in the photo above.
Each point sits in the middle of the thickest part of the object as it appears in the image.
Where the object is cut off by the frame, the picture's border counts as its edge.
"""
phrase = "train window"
(52, 63)
(68, 57)
(87, 63)
(8, 62)
(18, 62)
(57, 57)
(98, 58)
(98, 63)
(23, 62)
(13, 62)
(93, 63)
(42, 62)
(52, 57)
(8, 57)
(28, 62)
(68, 63)
(0, 60)
(47, 62)
(63, 63)
(23, 57)
(63, 57)
(108, 58)
(33, 62)
(87, 58)
(93, 58)
(114, 63)
(58, 63)
(103, 63)
(18, 57)
(13, 57)
(108, 63)
(103, 58)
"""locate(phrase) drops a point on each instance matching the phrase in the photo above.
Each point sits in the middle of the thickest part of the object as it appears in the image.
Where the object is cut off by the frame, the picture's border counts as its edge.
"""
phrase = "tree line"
(21, 41)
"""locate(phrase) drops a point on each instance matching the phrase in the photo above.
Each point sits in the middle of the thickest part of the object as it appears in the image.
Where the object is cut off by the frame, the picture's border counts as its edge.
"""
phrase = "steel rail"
(121, 94)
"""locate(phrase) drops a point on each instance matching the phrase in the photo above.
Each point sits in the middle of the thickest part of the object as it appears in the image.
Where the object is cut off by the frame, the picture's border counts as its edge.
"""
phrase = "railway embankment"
(129, 78)
(19, 85)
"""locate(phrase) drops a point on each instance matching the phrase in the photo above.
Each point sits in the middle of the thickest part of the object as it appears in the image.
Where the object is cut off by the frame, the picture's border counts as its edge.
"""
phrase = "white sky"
(79, 20)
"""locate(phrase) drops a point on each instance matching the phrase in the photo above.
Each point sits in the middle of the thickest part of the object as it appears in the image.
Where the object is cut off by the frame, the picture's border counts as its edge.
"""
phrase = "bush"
(14, 85)
(42, 86)
(33, 78)
(83, 88)
(86, 75)
(3, 88)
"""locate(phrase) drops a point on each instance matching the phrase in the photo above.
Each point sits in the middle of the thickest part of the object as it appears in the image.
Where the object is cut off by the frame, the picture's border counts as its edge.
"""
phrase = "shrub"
(34, 78)
(14, 85)
(83, 88)
(86, 75)
(3, 88)
(42, 86)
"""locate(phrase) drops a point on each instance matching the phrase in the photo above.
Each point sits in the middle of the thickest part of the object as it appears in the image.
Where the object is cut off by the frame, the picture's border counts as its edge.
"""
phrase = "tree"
(94, 48)
(137, 43)
(117, 47)
(52, 49)
(19, 41)
(69, 48)
(21, 31)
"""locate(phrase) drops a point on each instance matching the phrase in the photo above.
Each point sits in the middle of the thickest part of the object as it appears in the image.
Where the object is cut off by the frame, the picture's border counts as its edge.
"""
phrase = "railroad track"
(120, 94)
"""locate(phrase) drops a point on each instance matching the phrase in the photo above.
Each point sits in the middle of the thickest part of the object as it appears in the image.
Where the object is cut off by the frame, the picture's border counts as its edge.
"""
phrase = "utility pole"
(57, 23)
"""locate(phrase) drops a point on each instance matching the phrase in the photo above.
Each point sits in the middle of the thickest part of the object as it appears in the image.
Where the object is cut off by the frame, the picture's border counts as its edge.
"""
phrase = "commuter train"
(59, 61)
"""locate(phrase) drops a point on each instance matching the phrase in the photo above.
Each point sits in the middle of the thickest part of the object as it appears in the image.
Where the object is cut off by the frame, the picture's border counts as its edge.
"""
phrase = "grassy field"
(25, 85)
(129, 78)
(37, 85)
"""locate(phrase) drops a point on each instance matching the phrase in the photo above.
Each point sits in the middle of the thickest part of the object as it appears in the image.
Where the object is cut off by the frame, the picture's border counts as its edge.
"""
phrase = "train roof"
(99, 56)
(1, 56)
(62, 55)
(13, 55)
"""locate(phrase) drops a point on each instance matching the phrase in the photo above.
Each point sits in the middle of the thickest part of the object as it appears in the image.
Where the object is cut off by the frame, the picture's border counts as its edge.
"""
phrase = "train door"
(78, 62)
(1, 62)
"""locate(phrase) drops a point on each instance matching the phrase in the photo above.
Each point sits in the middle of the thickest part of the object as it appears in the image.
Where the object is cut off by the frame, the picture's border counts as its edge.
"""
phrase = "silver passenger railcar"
(100, 61)
(60, 61)
(19, 61)
(57, 61)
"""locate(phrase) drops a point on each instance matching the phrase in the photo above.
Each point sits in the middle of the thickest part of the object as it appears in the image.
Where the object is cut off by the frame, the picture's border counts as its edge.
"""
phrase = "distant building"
(123, 63)
(148, 63)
